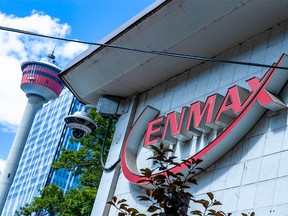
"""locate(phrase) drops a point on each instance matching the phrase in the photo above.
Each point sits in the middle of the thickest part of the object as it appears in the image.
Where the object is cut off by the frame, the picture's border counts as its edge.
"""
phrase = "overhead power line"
(154, 52)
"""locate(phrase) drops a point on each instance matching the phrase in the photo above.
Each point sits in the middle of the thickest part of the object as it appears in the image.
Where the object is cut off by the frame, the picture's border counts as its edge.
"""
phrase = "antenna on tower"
(51, 57)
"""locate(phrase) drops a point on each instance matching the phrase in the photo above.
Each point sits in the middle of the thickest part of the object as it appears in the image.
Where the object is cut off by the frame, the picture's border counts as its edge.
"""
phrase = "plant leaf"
(143, 198)
(196, 212)
(121, 201)
(133, 210)
(152, 209)
(210, 195)
(111, 203)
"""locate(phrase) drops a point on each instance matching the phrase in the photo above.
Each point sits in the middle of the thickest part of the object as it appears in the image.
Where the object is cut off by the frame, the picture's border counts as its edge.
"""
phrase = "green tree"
(49, 202)
(79, 201)
(85, 164)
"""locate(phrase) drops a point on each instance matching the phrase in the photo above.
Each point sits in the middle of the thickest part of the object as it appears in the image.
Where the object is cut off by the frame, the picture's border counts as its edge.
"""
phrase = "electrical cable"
(154, 52)
(107, 169)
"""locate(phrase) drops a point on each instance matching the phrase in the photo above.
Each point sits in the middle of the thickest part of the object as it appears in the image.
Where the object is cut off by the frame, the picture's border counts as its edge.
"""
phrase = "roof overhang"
(193, 27)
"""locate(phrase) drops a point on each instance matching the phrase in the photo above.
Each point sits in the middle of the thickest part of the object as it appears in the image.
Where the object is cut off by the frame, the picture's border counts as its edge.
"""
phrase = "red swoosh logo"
(252, 111)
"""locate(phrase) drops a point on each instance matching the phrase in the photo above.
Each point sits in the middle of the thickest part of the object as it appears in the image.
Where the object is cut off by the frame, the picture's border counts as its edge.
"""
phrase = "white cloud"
(2, 164)
(17, 48)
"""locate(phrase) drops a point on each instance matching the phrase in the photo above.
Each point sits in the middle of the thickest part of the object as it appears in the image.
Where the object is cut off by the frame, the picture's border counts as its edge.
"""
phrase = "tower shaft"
(34, 103)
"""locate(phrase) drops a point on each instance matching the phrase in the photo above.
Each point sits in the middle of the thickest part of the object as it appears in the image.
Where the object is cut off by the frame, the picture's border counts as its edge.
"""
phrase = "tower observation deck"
(40, 82)
(41, 78)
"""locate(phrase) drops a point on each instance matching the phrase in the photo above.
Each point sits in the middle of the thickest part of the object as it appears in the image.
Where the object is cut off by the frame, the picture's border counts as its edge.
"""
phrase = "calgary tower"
(40, 82)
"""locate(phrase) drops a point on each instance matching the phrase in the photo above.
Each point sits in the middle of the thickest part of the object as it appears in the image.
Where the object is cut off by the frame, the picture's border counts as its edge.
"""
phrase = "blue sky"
(89, 20)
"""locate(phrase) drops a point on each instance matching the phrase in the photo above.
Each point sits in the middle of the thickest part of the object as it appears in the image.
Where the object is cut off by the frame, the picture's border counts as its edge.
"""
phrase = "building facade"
(46, 138)
(236, 108)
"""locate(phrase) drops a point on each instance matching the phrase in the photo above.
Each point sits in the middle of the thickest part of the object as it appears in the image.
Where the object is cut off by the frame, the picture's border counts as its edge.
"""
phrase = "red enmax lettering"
(153, 131)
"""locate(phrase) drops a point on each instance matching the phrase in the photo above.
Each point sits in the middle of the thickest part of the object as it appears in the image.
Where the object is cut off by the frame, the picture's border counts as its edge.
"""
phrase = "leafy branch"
(168, 195)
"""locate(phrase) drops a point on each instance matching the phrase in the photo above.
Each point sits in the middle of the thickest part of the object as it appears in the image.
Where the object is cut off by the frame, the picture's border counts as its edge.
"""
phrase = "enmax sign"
(235, 113)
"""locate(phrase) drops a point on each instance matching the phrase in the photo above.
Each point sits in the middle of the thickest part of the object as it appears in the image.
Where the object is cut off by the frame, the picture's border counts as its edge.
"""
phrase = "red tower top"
(41, 78)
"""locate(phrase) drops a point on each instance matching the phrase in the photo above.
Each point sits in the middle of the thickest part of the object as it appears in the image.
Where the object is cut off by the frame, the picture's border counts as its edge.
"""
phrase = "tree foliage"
(83, 163)
(79, 201)
(168, 195)
(49, 202)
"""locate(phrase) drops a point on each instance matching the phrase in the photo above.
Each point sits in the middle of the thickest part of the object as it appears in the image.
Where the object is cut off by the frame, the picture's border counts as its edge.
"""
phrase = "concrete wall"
(253, 176)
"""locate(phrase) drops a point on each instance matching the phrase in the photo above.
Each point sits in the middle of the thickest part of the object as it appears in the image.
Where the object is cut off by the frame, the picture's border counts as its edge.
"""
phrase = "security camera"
(80, 123)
